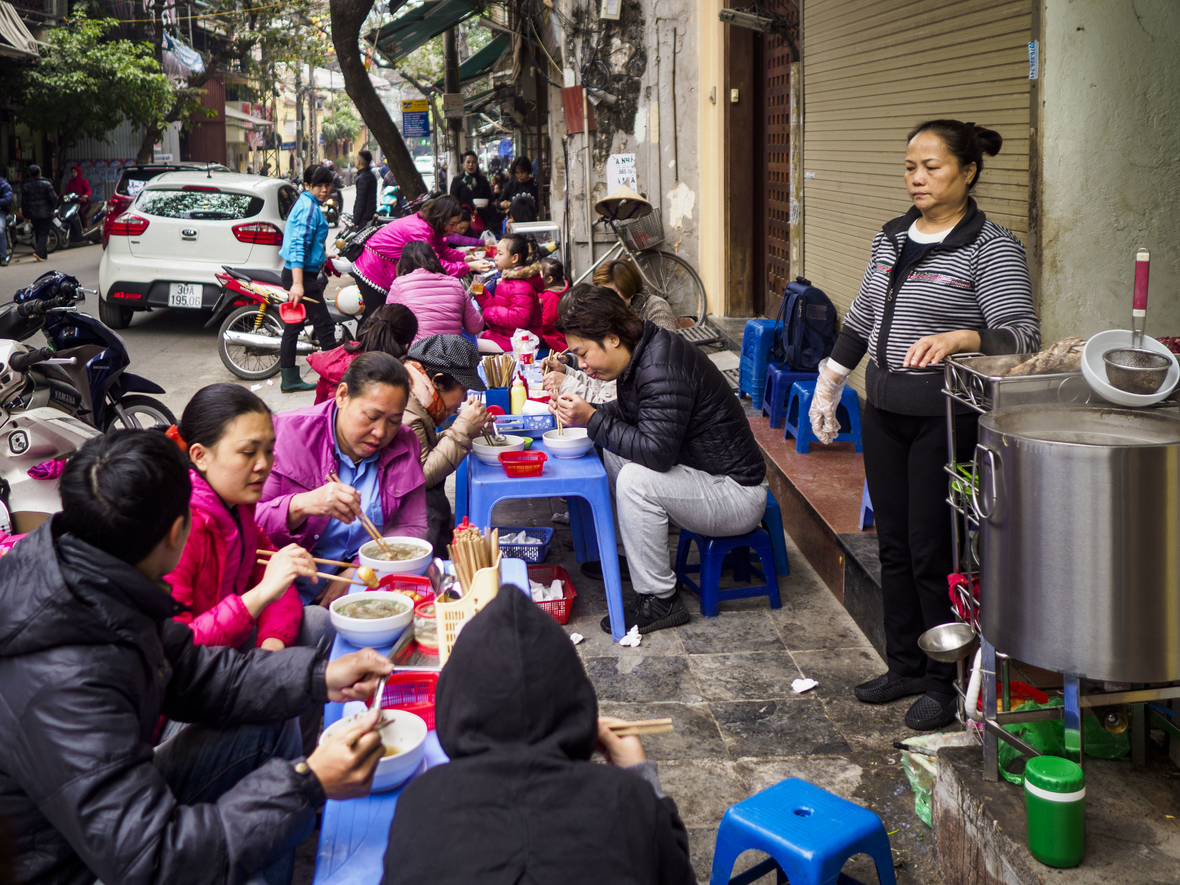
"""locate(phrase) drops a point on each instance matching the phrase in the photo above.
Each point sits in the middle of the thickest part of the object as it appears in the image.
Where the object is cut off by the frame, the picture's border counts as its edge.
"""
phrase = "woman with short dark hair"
(438, 300)
(470, 186)
(357, 435)
(676, 443)
(942, 279)
(521, 184)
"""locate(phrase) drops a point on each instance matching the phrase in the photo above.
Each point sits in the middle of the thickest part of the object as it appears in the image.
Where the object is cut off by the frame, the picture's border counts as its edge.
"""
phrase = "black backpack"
(354, 247)
(808, 320)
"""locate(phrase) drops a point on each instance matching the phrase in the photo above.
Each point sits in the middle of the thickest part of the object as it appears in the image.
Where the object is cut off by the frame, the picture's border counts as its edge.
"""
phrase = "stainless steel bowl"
(1136, 371)
(948, 642)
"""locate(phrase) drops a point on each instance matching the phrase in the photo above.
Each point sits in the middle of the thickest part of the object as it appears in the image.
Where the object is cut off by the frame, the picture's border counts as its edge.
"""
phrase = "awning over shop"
(15, 39)
(417, 26)
(234, 117)
(483, 61)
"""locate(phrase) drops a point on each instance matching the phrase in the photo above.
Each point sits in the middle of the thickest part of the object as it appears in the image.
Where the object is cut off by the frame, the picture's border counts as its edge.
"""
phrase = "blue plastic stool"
(757, 341)
(779, 379)
(798, 422)
(717, 554)
(866, 508)
(772, 521)
(808, 833)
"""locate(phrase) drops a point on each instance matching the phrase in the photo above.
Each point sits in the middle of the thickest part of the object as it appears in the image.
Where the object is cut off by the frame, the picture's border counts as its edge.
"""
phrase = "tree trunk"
(347, 18)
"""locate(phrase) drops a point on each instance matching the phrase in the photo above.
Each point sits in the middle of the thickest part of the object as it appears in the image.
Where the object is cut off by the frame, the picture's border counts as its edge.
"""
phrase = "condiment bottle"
(518, 396)
(1055, 803)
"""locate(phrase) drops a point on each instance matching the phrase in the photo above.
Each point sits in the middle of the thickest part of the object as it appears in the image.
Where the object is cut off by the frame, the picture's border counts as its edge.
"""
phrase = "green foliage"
(341, 122)
(85, 86)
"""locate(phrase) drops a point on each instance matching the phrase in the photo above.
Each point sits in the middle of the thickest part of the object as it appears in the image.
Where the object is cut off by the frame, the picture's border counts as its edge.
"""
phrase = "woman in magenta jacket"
(439, 301)
(231, 600)
(376, 268)
(359, 436)
(516, 296)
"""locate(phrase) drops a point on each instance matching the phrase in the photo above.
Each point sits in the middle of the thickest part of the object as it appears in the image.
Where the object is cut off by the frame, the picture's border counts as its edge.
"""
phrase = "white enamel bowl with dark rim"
(401, 731)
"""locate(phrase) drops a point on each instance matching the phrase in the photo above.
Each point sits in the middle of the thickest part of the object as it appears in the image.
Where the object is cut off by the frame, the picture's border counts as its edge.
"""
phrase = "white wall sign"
(620, 170)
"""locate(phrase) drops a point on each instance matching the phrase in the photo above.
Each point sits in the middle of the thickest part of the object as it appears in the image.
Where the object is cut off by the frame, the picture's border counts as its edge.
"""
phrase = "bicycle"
(663, 273)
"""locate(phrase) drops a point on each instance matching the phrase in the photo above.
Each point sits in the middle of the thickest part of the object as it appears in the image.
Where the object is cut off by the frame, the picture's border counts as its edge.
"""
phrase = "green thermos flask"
(1055, 801)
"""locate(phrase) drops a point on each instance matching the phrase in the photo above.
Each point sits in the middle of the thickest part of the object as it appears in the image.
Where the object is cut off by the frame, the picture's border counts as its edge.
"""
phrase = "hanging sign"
(415, 118)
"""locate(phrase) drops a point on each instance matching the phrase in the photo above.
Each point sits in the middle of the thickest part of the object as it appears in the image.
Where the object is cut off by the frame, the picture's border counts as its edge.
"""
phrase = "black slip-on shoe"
(882, 691)
(593, 569)
(652, 613)
(929, 713)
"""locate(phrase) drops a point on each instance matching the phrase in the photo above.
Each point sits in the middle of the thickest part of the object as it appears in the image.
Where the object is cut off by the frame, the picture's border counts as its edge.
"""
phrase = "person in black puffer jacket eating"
(677, 445)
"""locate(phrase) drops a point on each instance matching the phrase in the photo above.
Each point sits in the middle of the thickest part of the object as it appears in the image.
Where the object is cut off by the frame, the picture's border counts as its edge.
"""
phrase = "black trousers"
(41, 228)
(904, 460)
(374, 298)
(317, 315)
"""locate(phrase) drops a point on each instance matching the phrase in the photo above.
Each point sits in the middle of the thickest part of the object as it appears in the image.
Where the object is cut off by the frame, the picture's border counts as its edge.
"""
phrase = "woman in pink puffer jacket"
(230, 599)
(439, 302)
(377, 266)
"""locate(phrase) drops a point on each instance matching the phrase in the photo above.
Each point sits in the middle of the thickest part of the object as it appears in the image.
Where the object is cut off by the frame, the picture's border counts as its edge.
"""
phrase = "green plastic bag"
(1048, 737)
(920, 770)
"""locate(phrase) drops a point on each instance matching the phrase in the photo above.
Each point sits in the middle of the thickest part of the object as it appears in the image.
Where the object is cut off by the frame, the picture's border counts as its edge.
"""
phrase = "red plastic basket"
(520, 464)
(547, 574)
(420, 584)
(412, 692)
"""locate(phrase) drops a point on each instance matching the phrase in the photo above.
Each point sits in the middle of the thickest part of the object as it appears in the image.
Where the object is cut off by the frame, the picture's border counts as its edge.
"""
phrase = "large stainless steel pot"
(1081, 539)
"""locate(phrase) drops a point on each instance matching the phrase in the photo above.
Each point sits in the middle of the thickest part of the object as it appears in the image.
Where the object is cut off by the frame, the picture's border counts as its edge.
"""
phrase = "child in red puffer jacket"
(516, 297)
(544, 324)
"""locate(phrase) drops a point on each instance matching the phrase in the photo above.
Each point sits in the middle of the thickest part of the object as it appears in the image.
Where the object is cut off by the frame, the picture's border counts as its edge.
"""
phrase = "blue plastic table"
(353, 834)
(591, 516)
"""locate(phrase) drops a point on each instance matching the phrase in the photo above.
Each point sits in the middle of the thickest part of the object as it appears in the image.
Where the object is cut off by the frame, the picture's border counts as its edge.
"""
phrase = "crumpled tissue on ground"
(632, 639)
(546, 593)
(801, 685)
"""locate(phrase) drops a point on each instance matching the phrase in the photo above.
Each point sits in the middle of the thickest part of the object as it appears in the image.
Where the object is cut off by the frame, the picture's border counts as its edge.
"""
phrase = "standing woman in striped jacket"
(942, 279)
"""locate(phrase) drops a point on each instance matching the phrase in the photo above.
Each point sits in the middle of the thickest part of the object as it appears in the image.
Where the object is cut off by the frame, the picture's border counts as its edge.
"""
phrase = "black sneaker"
(882, 691)
(652, 613)
(593, 569)
(929, 713)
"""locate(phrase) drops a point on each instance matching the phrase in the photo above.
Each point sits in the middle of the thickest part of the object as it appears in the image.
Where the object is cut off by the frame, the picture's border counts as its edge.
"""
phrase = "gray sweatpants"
(646, 501)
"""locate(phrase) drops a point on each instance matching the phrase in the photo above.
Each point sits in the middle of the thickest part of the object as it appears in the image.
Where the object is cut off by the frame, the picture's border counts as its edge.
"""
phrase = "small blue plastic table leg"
(461, 488)
(604, 525)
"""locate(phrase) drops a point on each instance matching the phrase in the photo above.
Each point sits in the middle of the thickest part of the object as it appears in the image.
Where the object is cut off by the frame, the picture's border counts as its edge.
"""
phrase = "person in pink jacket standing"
(357, 435)
(376, 267)
(438, 300)
(516, 296)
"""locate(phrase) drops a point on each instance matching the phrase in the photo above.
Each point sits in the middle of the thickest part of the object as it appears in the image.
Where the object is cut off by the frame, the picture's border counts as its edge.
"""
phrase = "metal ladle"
(1134, 369)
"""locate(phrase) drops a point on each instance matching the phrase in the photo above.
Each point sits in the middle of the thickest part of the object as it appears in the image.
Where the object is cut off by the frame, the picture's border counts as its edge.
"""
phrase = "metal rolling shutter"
(872, 69)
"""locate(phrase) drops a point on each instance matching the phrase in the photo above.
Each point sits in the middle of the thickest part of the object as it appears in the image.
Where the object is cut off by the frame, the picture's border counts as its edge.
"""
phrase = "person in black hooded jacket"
(520, 800)
(676, 443)
(91, 660)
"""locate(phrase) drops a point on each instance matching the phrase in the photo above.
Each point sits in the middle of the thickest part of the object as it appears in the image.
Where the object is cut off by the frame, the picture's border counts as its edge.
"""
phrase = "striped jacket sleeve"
(1004, 292)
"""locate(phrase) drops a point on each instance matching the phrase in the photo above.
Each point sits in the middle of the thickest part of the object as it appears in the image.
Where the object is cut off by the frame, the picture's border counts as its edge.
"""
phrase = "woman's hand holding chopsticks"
(333, 499)
(621, 752)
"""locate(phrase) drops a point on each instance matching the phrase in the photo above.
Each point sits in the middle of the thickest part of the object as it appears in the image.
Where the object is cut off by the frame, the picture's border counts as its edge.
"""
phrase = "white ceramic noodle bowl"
(416, 565)
(571, 443)
(1094, 369)
(402, 730)
(371, 632)
(490, 455)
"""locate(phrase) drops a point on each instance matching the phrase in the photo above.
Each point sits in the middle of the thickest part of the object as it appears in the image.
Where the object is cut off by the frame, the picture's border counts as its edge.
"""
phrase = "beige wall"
(711, 143)
(1111, 174)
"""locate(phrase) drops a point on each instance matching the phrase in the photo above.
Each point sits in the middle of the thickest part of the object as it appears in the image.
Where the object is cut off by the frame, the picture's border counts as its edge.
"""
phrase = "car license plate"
(184, 295)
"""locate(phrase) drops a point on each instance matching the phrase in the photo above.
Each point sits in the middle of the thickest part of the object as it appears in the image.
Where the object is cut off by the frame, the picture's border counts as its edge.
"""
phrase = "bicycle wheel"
(676, 280)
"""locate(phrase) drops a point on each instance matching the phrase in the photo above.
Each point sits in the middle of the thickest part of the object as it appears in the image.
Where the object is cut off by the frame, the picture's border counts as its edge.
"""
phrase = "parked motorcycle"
(331, 207)
(96, 388)
(390, 202)
(251, 325)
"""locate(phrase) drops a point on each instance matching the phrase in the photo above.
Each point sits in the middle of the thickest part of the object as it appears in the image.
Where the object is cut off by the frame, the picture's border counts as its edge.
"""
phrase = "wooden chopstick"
(313, 559)
(643, 726)
(322, 574)
(365, 521)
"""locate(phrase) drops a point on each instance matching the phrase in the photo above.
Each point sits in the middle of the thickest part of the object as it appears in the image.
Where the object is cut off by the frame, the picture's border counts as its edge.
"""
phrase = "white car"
(165, 250)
